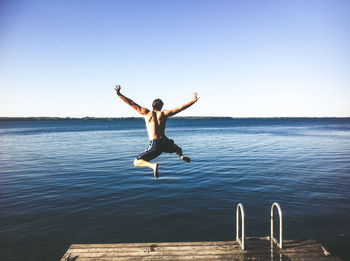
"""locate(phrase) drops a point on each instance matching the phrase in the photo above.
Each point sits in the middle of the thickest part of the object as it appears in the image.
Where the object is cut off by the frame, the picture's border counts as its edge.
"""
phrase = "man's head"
(157, 104)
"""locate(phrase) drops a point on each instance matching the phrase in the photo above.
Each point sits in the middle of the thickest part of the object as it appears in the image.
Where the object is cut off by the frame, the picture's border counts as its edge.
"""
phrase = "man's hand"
(117, 89)
(195, 96)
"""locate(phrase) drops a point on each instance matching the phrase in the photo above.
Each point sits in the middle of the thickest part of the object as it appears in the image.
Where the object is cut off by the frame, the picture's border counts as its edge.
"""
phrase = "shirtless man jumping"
(155, 124)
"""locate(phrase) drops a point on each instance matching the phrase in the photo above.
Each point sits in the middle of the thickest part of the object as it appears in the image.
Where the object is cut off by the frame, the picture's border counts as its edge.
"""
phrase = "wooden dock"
(256, 249)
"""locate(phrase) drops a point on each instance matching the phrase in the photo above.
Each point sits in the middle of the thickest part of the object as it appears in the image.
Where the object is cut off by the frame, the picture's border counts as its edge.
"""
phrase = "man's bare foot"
(155, 171)
(187, 159)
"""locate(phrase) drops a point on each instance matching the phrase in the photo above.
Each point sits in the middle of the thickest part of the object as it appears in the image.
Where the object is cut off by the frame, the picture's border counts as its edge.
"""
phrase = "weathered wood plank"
(179, 252)
(164, 257)
(257, 249)
(200, 243)
(168, 258)
(156, 248)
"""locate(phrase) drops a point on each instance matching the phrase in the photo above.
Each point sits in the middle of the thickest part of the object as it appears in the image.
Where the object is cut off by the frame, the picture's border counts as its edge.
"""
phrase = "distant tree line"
(62, 118)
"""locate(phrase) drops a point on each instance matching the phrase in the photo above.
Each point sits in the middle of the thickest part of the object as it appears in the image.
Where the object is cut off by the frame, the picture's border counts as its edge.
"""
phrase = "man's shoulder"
(163, 114)
(157, 114)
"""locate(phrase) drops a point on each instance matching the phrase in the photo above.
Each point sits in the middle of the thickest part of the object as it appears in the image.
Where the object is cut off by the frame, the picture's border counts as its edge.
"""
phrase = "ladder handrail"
(280, 243)
(240, 209)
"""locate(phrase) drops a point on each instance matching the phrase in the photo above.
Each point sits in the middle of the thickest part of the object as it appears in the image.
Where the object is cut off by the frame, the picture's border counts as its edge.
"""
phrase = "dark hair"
(157, 104)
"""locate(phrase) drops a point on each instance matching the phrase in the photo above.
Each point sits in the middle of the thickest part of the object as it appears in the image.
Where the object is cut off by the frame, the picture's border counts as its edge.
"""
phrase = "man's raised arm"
(174, 111)
(130, 102)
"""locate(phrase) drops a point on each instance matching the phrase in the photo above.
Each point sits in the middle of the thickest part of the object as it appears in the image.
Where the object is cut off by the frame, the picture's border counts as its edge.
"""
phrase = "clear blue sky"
(245, 58)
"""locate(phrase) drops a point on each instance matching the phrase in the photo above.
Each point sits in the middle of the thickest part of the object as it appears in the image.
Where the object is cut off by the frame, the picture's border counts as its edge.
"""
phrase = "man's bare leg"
(179, 153)
(143, 163)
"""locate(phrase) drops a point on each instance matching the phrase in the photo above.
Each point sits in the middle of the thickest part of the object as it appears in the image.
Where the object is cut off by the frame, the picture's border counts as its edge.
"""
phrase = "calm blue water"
(64, 182)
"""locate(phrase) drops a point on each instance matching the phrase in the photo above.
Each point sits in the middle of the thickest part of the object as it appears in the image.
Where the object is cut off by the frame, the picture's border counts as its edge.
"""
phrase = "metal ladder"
(240, 209)
(280, 243)
(240, 212)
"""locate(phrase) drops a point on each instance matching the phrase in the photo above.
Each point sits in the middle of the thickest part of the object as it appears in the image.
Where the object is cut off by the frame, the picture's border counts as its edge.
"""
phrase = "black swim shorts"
(156, 147)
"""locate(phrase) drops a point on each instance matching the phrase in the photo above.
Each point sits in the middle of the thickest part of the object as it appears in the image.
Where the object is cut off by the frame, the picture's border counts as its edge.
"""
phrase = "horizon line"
(16, 118)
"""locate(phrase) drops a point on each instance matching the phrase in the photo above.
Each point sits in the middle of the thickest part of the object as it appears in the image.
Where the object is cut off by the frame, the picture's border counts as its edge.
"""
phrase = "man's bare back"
(155, 123)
